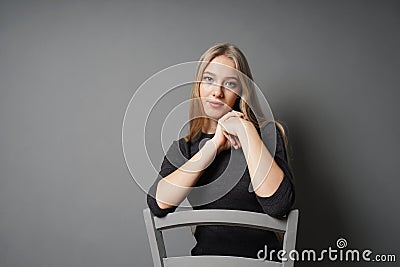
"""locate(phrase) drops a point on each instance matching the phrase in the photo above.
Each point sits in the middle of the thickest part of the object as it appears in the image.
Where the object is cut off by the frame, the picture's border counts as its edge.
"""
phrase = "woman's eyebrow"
(209, 73)
(213, 74)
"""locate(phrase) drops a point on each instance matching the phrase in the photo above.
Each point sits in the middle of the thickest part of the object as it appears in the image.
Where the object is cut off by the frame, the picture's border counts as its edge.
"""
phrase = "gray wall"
(69, 68)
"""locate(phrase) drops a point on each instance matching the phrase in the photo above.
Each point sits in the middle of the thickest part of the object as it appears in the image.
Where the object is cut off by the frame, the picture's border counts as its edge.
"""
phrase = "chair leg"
(156, 239)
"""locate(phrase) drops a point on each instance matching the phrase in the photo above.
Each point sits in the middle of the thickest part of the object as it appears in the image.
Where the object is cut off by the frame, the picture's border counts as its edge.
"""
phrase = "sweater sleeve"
(175, 157)
(282, 201)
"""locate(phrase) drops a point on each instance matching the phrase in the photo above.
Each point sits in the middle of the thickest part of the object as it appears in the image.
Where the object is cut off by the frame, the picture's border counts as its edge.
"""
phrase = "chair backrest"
(155, 226)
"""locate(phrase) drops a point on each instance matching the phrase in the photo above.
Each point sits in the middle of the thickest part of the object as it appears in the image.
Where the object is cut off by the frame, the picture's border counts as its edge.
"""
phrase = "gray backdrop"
(68, 69)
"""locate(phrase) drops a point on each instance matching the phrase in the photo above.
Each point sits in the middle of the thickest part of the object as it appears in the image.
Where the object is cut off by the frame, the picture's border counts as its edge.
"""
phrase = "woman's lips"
(216, 104)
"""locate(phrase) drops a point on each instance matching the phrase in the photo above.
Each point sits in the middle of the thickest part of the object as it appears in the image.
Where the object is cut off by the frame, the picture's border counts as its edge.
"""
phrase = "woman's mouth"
(215, 104)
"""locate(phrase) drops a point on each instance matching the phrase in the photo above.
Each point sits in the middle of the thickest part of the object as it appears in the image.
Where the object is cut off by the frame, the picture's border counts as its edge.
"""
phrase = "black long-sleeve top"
(228, 166)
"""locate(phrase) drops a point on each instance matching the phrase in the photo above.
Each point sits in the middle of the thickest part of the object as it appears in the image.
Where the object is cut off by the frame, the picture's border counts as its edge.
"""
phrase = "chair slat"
(220, 261)
(220, 217)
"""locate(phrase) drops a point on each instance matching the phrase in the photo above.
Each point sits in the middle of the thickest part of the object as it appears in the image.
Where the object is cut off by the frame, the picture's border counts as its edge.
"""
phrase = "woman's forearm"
(265, 173)
(172, 189)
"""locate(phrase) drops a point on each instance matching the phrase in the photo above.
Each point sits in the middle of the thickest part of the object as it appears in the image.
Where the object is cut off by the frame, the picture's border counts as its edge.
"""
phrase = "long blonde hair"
(247, 103)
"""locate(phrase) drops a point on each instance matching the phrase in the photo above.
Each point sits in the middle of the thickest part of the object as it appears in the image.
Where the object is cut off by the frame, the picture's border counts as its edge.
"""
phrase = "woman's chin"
(215, 115)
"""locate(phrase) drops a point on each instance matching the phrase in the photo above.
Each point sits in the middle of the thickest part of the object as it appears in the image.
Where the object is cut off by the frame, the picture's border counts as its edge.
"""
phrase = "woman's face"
(219, 87)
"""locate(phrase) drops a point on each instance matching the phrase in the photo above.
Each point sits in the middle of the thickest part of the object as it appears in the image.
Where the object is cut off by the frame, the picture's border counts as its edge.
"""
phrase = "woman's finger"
(231, 140)
(228, 137)
(235, 141)
(239, 114)
(242, 115)
(227, 116)
(232, 113)
(238, 142)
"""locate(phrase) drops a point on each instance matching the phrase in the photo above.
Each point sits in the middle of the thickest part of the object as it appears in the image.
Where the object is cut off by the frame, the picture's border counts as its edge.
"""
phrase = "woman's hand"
(225, 134)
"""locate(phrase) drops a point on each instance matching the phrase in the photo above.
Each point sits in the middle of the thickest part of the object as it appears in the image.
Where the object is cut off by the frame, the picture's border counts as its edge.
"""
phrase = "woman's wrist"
(216, 145)
(243, 130)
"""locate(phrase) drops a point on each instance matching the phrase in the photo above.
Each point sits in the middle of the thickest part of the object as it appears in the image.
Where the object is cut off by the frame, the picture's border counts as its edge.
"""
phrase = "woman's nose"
(217, 90)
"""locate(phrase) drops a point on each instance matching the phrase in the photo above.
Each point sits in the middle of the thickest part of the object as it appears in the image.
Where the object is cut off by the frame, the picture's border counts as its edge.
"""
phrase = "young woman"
(226, 126)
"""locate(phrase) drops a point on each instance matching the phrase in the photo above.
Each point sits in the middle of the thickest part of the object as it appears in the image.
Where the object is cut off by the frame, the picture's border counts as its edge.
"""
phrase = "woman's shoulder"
(270, 129)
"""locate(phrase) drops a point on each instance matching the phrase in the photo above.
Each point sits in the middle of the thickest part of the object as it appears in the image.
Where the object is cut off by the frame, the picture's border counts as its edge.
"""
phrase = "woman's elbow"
(156, 209)
(283, 208)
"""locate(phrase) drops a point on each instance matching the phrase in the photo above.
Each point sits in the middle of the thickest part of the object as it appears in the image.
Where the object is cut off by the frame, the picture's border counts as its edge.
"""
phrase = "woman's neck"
(210, 126)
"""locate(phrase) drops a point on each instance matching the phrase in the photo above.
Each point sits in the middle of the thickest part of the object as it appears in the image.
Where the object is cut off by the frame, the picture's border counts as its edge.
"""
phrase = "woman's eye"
(230, 84)
(207, 79)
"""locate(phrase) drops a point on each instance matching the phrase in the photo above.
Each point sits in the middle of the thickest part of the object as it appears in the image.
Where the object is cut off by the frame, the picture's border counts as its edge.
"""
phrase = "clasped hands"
(228, 130)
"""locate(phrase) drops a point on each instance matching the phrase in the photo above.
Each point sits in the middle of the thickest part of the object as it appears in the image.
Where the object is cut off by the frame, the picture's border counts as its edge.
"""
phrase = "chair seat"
(220, 261)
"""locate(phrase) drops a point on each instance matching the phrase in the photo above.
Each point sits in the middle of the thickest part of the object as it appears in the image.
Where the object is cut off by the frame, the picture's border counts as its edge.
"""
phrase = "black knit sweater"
(230, 240)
